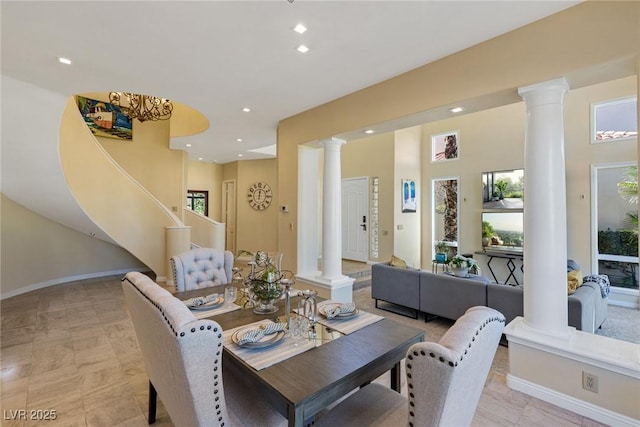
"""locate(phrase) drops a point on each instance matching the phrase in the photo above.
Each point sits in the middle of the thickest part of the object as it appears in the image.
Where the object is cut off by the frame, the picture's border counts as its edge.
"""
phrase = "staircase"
(360, 271)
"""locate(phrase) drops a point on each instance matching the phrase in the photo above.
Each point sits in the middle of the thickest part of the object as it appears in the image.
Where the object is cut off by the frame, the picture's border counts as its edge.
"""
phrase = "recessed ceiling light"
(188, 145)
(302, 49)
(456, 109)
(300, 29)
(200, 158)
(240, 155)
(369, 131)
(64, 61)
(246, 109)
(239, 139)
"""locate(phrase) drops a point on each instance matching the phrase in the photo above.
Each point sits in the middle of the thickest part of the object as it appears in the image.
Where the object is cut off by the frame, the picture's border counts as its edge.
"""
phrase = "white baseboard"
(53, 282)
(572, 404)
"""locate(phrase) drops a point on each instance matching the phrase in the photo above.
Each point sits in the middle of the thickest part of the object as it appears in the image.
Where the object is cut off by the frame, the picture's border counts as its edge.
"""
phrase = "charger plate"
(323, 310)
(265, 341)
(210, 305)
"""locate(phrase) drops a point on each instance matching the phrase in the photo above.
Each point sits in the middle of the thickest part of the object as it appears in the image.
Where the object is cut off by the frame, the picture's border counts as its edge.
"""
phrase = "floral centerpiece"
(461, 265)
(265, 281)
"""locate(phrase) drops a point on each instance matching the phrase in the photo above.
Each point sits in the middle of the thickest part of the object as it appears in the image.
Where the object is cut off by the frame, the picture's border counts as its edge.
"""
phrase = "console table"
(504, 254)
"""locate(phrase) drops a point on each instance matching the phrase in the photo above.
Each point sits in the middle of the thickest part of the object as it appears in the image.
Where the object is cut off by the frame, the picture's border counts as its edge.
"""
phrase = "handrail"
(205, 232)
(114, 201)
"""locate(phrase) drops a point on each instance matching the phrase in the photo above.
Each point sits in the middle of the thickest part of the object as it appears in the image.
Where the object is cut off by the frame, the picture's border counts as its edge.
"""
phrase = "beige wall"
(491, 140)
(256, 229)
(373, 157)
(207, 177)
(38, 252)
(150, 161)
(489, 73)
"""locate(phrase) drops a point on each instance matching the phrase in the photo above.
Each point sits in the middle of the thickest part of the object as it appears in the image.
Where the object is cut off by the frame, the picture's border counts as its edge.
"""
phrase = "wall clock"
(259, 196)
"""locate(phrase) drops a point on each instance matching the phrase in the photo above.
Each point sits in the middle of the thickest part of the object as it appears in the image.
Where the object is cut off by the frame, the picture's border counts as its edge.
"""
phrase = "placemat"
(260, 358)
(348, 325)
(224, 308)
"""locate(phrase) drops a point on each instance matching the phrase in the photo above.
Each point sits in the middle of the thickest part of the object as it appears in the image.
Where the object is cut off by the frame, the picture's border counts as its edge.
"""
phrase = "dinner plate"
(265, 341)
(323, 311)
(210, 305)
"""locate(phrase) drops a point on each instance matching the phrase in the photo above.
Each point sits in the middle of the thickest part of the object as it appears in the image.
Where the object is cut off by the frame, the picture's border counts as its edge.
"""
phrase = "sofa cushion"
(449, 296)
(396, 285)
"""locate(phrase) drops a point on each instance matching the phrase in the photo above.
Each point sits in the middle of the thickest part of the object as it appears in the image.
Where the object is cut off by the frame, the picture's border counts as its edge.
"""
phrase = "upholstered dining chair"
(183, 359)
(444, 380)
(201, 268)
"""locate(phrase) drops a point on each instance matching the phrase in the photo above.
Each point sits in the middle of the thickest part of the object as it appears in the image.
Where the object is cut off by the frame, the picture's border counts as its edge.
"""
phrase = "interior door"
(355, 219)
(229, 214)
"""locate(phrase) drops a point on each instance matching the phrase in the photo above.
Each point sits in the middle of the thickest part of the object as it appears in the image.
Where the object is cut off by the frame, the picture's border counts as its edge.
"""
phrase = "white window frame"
(594, 108)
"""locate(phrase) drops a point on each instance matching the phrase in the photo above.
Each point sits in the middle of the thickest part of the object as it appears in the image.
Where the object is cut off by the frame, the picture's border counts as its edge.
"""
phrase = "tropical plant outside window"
(617, 224)
(198, 201)
(615, 120)
(445, 213)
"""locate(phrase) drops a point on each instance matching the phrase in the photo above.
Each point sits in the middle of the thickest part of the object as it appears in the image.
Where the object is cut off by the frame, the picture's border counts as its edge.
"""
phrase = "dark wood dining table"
(303, 385)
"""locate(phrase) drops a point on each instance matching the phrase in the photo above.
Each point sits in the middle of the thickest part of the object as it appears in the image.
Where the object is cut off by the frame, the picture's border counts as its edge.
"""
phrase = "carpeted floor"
(621, 323)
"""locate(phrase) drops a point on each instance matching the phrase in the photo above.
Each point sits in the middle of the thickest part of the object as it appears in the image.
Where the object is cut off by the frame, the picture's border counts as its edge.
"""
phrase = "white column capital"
(543, 92)
(334, 143)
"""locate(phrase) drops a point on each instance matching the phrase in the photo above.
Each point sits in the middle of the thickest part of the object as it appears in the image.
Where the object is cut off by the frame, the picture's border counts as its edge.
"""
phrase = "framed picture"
(105, 119)
(409, 195)
(444, 146)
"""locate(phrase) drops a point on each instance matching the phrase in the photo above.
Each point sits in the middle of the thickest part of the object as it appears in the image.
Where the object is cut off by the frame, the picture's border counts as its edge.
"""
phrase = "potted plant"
(441, 251)
(460, 265)
(487, 233)
(501, 186)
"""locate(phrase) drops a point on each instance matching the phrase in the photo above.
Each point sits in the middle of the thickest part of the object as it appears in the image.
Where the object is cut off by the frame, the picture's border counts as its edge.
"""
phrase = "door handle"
(364, 226)
(364, 220)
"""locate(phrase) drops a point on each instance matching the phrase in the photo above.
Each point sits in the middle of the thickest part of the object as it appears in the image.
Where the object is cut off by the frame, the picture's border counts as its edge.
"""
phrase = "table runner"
(260, 358)
(224, 308)
(348, 325)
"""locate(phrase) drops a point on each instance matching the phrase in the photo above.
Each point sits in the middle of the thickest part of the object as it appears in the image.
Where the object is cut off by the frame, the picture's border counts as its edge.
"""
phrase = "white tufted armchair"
(444, 380)
(201, 268)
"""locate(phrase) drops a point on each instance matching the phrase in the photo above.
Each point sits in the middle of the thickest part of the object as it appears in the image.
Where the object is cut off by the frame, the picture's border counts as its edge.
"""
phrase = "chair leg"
(153, 398)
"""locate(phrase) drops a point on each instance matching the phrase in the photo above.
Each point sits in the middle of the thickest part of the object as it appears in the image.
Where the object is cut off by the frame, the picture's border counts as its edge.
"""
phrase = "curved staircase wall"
(115, 201)
(205, 232)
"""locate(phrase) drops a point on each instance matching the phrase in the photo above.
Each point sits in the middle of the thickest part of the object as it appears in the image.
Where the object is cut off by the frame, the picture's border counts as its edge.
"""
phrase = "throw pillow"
(572, 265)
(602, 280)
(574, 280)
(397, 262)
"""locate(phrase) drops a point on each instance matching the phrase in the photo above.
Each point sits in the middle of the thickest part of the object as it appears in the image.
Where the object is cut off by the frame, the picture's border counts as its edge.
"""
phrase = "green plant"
(628, 190)
(501, 185)
(440, 247)
(460, 261)
(487, 229)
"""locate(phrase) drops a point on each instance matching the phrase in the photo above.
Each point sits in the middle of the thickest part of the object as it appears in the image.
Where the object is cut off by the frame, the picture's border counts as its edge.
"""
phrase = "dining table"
(320, 372)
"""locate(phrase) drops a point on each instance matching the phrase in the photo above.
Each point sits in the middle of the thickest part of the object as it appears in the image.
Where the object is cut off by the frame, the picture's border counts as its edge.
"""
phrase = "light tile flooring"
(71, 349)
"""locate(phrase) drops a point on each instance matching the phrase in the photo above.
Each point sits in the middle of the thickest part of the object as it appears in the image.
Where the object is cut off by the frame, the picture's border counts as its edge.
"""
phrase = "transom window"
(615, 120)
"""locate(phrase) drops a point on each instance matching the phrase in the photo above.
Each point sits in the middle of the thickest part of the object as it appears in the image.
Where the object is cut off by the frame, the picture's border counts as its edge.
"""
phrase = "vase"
(460, 272)
(265, 306)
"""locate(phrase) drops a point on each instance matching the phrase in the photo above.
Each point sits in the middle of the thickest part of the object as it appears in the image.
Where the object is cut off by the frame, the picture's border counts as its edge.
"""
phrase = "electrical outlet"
(589, 382)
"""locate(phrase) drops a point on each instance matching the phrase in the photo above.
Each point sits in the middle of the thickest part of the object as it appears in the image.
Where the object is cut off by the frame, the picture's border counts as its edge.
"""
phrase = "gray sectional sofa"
(449, 296)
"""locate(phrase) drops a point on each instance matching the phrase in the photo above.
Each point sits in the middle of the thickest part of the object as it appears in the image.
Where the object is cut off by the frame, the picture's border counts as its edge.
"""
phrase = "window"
(615, 120)
(198, 201)
(615, 236)
(445, 213)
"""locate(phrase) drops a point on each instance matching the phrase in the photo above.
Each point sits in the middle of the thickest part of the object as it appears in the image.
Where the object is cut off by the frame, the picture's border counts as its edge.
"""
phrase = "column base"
(336, 288)
(552, 367)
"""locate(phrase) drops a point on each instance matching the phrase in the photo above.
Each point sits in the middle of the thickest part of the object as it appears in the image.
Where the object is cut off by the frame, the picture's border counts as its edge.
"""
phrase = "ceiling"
(221, 56)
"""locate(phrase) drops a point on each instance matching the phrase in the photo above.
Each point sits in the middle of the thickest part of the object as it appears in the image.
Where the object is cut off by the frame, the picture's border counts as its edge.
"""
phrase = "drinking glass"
(298, 327)
(230, 294)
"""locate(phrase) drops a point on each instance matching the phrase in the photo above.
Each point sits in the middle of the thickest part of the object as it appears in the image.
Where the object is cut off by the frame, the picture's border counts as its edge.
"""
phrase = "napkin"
(198, 301)
(335, 310)
(255, 335)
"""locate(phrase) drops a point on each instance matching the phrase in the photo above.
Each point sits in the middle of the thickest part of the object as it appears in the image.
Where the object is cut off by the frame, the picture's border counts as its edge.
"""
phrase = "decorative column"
(545, 210)
(332, 210)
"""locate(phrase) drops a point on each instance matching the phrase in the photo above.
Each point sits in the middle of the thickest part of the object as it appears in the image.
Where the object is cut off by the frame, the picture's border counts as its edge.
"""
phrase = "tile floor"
(71, 348)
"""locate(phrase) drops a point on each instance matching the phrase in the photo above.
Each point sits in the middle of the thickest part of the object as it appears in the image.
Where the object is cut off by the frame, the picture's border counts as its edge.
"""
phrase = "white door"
(229, 214)
(355, 219)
